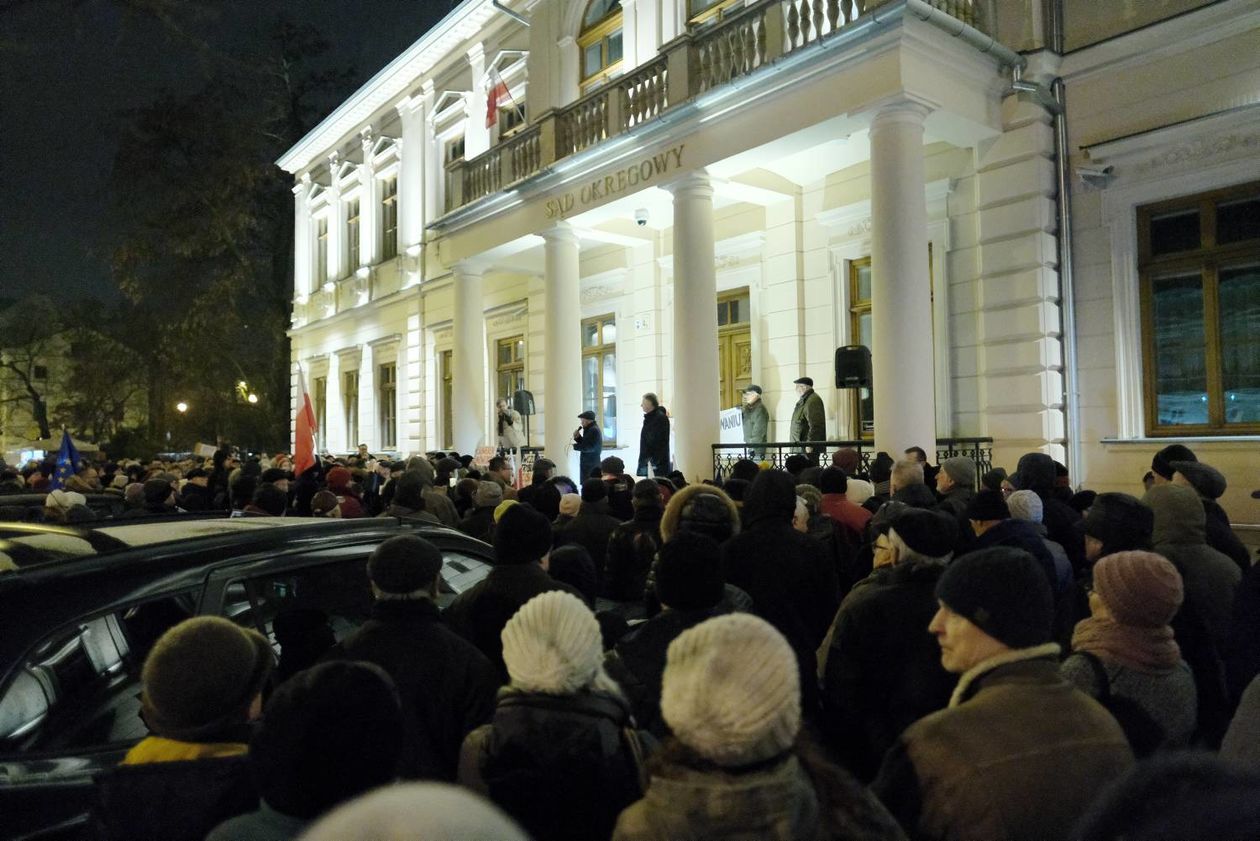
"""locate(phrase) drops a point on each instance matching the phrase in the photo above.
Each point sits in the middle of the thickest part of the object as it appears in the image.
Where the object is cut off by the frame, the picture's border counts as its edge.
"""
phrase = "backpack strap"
(1100, 676)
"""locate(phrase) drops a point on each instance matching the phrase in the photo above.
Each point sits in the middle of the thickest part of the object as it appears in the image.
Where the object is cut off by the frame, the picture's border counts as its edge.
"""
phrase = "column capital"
(476, 54)
(561, 232)
(906, 111)
(468, 268)
(694, 183)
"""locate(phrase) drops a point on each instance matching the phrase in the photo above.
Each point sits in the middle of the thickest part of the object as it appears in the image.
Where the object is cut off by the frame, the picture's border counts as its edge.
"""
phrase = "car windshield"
(24, 545)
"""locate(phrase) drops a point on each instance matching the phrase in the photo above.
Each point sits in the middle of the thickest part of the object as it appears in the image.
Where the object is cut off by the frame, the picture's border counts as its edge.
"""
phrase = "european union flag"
(67, 462)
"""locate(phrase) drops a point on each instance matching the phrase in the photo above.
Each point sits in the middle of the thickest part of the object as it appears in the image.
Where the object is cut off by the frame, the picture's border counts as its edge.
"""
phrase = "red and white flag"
(304, 430)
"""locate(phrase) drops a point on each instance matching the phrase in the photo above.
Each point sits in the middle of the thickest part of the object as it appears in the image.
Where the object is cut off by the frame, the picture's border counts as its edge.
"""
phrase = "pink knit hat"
(1139, 588)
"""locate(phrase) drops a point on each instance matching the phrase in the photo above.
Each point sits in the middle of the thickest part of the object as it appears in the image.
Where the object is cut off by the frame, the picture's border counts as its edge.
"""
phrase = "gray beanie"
(488, 495)
(1025, 505)
(961, 469)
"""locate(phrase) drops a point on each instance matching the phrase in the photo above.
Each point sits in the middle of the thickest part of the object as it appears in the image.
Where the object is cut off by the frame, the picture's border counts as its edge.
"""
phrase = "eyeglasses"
(882, 547)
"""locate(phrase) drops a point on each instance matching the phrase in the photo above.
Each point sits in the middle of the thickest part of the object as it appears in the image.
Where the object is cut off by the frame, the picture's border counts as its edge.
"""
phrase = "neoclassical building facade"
(1040, 216)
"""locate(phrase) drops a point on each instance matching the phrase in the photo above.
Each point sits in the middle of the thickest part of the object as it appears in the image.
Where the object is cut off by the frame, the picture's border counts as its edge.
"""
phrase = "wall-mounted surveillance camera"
(641, 217)
(1095, 176)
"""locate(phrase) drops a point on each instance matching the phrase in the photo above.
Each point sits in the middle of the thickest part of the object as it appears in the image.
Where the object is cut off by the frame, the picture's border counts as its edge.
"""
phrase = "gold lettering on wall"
(615, 183)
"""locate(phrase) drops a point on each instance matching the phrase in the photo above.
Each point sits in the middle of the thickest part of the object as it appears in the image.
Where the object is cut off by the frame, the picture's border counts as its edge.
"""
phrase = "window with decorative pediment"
(600, 42)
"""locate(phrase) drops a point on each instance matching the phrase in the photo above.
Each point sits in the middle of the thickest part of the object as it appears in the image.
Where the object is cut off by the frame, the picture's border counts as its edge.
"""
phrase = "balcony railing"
(979, 450)
(696, 62)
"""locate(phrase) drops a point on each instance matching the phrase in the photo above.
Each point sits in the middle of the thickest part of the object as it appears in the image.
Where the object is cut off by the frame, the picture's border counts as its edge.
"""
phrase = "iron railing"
(776, 453)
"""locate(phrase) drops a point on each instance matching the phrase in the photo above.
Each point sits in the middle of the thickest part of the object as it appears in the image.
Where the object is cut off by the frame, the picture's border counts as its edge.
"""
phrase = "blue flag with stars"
(67, 462)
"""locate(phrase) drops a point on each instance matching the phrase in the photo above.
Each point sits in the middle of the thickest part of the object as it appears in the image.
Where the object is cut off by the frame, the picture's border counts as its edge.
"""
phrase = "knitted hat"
(338, 478)
(570, 504)
(881, 468)
(553, 645)
(1139, 588)
(1035, 472)
(59, 500)
(961, 469)
(688, 572)
(323, 502)
(1207, 480)
(502, 508)
(1025, 505)
(859, 491)
(404, 564)
(988, 505)
(594, 490)
(521, 537)
(1161, 463)
(488, 495)
(847, 459)
(994, 478)
(1120, 522)
(396, 813)
(731, 690)
(201, 677)
(1003, 592)
(930, 533)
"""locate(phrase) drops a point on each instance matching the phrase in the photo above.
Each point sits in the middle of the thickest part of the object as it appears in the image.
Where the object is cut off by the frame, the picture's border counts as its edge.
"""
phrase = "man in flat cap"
(588, 440)
(756, 421)
(809, 420)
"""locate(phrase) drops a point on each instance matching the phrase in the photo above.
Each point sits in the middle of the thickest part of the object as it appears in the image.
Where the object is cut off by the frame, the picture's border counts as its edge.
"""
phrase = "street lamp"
(181, 407)
(253, 398)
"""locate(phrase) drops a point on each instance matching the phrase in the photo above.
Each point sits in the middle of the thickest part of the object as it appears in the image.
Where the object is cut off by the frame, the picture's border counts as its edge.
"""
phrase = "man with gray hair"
(906, 485)
(883, 669)
(446, 685)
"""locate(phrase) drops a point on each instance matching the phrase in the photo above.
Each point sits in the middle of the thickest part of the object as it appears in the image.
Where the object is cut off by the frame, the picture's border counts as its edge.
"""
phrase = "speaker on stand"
(853, 370)
(523, 402)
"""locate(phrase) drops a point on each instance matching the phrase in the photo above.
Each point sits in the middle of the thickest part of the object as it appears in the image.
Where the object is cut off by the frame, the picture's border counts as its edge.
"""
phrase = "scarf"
(1146, 650)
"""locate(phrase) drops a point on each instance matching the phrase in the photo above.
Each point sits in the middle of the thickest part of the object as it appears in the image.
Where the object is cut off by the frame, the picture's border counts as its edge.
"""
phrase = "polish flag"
(497, 94)
(304, 433)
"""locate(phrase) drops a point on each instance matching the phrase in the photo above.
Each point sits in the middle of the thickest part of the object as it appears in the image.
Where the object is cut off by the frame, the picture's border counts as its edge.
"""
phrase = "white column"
(412, 169)
(302, 268)
(901, 292)
(369, 207)
(568, 86)
(468, 361)
(433, 173)
(476, 134)
(629, 35)
(368, 433)
(335, 424)
(562, 344)
(696, 375)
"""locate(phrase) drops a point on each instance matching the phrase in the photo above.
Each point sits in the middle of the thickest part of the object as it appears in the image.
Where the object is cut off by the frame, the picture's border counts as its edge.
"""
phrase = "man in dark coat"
(591, 527)
(446, 685)
(1209, 483)
(544, 469)
(809, 418)
(195, 495)
(993, 526)
(633, 545)
(883, 668)
(956, 483)
(907, 485)
(654, 439)
(1036, 472)
(792, 583)
(756, 421)
(588, 441)
(522, 541)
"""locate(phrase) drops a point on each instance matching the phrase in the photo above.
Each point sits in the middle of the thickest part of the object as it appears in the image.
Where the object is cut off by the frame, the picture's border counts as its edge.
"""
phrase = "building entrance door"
(734, 348)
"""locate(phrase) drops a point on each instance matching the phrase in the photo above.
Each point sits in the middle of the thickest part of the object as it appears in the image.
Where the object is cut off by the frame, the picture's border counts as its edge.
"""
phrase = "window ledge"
(1183, 439)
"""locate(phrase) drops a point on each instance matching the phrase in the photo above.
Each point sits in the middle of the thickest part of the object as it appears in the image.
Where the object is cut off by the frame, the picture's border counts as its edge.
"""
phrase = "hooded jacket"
(1036, 473)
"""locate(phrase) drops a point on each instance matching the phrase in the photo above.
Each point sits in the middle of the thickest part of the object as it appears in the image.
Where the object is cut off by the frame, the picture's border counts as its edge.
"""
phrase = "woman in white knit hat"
(561, 755)
(738, 766)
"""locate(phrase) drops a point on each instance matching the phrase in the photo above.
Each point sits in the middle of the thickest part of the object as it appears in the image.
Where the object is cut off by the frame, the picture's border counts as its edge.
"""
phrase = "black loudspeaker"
(523, 402)
(853, 366)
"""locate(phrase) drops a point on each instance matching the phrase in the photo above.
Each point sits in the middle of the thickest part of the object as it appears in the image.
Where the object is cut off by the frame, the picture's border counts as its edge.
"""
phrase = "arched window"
(599, 42)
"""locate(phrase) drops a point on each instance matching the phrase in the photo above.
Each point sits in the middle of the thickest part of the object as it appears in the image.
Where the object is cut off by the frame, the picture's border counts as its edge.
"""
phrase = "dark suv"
(80, 609)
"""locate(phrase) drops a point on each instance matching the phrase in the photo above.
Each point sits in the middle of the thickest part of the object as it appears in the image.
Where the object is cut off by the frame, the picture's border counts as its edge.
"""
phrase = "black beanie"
(1120, 522)
(988, 504)
(930, 533)
(1004, 592)
(689, 572)
(594, 490)
(772, 496)
(994, 478)
(404, 564)
(1162, 462)
(522, 536)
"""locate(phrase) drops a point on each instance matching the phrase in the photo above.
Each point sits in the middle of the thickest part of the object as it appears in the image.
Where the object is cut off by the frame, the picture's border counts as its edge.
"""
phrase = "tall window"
(321, 413)
(1199, 261)
(510, 366)
(387, 401)
(389, 218)
(860, 332)
(350, 404)
(352, 232)
(321, 250)
(599, 373)
(448, 395)
(600, 41)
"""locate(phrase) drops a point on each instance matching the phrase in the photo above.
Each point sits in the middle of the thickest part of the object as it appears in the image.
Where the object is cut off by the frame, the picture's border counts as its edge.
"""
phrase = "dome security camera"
(641, 217)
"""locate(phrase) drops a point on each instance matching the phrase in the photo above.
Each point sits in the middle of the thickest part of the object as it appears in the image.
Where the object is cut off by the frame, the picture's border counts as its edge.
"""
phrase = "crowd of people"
(885, 650)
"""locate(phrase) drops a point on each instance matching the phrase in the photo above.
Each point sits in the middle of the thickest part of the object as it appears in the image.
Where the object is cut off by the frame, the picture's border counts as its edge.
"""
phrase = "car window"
(337, 589)
(80, 687)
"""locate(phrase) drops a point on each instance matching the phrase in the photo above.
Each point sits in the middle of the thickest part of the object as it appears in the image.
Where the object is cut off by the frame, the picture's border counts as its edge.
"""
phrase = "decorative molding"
(591, 294)
(1200, 139)
(378, 343)
(733, 251)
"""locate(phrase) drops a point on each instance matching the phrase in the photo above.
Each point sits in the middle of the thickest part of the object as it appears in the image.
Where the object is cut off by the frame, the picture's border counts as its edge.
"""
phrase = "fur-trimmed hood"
(681, 499)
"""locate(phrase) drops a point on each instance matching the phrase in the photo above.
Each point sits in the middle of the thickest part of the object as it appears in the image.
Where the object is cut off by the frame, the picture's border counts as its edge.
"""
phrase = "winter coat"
(793, 586)
(263, 824)
(954, 503)
(171, 800)
(437, 503)
(637, 662)
(839, 508)
(1210, 578)
(562, 766)
(479, 613)
(756, 423)
(809, 418)
(654, 442)
(1220, 535)
(510, 429)
(589, 442)
(1242, 654)
(1020, 534)
(1242, 740)
(1167, 699)
(917, 495)
(1036, 473)
(591, 528)
(196, 498)
(446, 685)
(410, 515)
(1019, 753)
(1062, 566)
(632, 548)
(884, 668)
(479, 524)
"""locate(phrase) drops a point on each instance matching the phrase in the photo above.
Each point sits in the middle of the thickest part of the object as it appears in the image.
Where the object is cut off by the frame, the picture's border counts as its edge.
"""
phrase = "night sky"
(67, 67)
